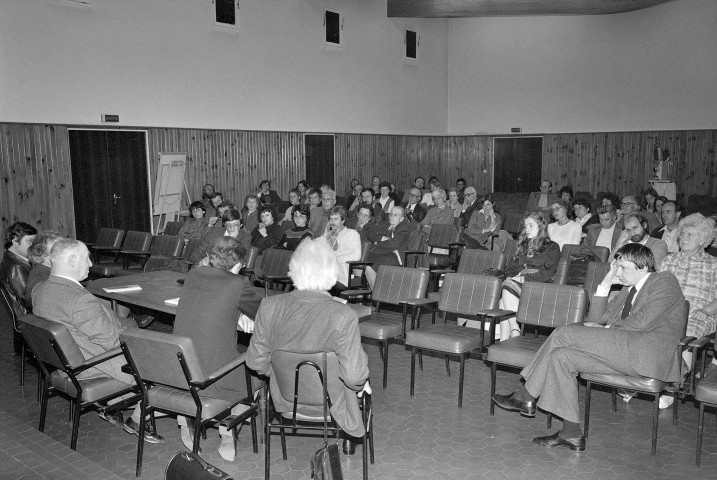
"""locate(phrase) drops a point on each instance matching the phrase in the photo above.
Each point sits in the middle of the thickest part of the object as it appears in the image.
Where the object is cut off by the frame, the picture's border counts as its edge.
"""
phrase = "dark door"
(109, 181)
(319, 151)
(517, 164)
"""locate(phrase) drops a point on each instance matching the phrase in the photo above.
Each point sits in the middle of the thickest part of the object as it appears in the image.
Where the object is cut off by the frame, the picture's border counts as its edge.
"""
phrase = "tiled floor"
(424, 437)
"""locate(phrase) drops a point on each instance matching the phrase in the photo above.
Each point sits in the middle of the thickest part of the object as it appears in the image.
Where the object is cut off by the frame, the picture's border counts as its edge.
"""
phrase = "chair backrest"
(251, 257)
(137, 241)
(15, 308)
(365, 250)
(172, 228)
(593, 276)
(602, 253)
(475, 262)
(442, 235)
(167, 246)
(511, 245)
(394, 284)
(570, 249)
(110, 237)
(154, 355)
(550, 305)
(39, 332)
(513, 223)
(192, 245)
(561, 272)
(288, 366)
(276, 262)
(468, 294)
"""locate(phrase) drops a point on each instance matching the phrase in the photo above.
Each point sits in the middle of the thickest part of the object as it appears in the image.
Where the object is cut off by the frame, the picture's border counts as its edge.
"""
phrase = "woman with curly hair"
(535, 260)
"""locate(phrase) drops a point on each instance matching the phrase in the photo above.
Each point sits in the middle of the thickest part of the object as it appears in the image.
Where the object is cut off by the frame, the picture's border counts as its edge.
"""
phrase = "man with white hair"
(307, 319)
(440, 213)
(94, 327)
(389, 243)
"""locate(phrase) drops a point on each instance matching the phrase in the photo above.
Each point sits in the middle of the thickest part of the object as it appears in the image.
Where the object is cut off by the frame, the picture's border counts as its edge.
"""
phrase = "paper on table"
(172, 301)
(123, 289)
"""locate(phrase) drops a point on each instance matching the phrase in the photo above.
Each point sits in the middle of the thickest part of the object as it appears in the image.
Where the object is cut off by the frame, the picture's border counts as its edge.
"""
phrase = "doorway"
(517, 164)
(319, 154)
(109, 181)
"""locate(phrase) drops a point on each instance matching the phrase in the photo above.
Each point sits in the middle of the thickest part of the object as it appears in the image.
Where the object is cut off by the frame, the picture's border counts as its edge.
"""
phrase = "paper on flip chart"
(172, 301)
(124, 289)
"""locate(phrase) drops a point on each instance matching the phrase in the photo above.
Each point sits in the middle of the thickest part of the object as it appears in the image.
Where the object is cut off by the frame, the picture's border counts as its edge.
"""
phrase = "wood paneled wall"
(37, 187)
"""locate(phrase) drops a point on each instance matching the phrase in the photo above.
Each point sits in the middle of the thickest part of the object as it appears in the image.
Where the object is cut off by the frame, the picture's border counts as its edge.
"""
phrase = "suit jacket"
(95, 328)
(652, 221)
(384, 251)
(208, 310)
(466, 216)
(655, 325)
(533, 200)
(594, 232)
(437, 216)
(477, 224)
(38, 273)
(318, 220)
(415, 216)
(305, 321)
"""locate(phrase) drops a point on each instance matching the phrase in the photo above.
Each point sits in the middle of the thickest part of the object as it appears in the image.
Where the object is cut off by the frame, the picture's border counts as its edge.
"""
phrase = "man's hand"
(366, 388)
(245, 324)
(611, 277)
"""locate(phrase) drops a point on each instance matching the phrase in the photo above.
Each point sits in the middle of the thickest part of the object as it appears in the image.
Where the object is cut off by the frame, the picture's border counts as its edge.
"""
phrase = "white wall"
(653, 69)
(160, 63)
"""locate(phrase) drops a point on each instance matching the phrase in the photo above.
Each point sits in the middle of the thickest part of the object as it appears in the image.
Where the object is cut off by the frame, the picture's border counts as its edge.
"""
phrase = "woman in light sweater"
(563, 230)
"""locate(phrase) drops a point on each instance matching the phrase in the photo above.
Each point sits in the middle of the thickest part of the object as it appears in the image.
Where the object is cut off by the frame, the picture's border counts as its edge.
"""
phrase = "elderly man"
(607, 233)
(542, 200)
(668, 233)
(630, 206)
(353, 200)
(414, 212)
(440, 213)
(470, 205)
(94, 327)
(636, 232)
(320, 218)
(345, 242)
(635, 334)
(39, 255)
(389, 243)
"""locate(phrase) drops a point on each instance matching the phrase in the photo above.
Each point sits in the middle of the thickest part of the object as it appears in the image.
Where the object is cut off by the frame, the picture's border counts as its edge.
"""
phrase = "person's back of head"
(227, 253)
(313, 266)
(39, 251)
(65, 256)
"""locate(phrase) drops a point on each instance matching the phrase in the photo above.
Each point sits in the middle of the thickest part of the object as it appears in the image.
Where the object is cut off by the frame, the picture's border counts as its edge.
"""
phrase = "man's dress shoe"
(507, 402)
(348, 447)
(143, 321)
(554, 440)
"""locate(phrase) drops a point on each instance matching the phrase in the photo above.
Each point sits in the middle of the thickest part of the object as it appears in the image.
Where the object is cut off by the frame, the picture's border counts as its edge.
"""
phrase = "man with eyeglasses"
(413, 210)
(541, 201)
(389, 243)
(630, 206)
(470, 205)
(636, 232)
(668, 233)
(320, 217)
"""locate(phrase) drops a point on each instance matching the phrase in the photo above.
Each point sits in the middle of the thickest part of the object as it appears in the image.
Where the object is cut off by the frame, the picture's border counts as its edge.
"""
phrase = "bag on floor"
(188, 466)
(326, 463)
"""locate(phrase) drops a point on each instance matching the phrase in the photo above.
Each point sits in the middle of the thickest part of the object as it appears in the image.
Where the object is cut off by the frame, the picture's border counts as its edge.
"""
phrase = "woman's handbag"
(325, 462)
(188, 466)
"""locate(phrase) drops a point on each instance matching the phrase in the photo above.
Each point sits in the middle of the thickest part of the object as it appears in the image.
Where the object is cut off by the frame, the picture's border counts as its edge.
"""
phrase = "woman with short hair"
(583, 214)
(197, 224)
(266, 234)
(292, 238)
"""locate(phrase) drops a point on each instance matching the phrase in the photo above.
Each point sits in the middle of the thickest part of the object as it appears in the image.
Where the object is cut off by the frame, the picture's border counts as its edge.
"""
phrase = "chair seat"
(181, 402)
(306, 418)
(93, 389)
(706, 390)
(436, 260)
(363, 311)
(435, 296)
(518, 351)
(641, 384)
(382, 326)
(444, 338)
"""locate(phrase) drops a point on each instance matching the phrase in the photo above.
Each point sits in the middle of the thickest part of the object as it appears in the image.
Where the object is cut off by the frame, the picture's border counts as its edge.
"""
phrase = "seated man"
(94, 327)
(630, 206)
(231, 226)
(368, 196)
(15, 265)
(345, 242)
(414, 212)
(607, 233)
(309, 320)
(470, 205)
(266, 191)
(634, 334)
(541, 201)
(215, 297)
(39, 255)
(389, 243)
(671, 214)
(320, 216)
(636, 232)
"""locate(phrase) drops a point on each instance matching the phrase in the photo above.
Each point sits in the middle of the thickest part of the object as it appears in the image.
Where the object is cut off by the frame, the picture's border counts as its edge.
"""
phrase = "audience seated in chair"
(440, 214)
(414, 212)
(197, 224)
(542, 200)
(607, 233)
(389, 243)
(231, 226)
(15, 265)
(265, 191)
(267, 233)
(671, 213)
(471, 203)
(344, 242)
(636, 231)
(630, 206)
(294, 200)
(39, 256)
(483, 223)
(300, 215)
(584, 215)
(563, 230)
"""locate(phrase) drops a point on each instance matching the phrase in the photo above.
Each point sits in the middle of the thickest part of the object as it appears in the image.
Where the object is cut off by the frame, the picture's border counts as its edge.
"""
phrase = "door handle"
(116, 197)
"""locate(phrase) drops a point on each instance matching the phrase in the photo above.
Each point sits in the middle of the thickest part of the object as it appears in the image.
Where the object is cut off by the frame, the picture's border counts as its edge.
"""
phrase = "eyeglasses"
(624, 204)
(412, 195)
(299, 215)
(469, 194)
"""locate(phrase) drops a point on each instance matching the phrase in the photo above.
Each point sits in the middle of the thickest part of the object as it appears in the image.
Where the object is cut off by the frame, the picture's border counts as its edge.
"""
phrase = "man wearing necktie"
(635, 334)
(389, 243)
(413, 211)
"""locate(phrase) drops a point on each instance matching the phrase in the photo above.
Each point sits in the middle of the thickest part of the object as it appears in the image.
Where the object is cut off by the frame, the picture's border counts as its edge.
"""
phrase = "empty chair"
(172, 228)
(14, 310)
(443, 237)
(108, 242)
(275, 269)
(513, 223)
(561, 272)
(165, 249)
(706, 395)
(474, 262)
(61, 363)
(170, 379)
(135, 244)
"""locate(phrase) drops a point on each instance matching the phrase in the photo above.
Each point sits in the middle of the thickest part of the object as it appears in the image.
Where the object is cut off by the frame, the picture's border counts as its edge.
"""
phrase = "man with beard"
(636, 231)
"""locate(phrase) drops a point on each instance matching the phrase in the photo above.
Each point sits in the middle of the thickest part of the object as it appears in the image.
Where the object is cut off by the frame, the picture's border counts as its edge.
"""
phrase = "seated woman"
(266, 234)
(196, 225)
(659, 202)
(250, 212)
(215, 301)
(454, 202)
(294, 200)
(303, 189)
(563, 230)
(535, 260)
(482, 225)
(307, 319)
(39, 256)
(584, 215)
(345, 242)
(292, 238)
(649, 196)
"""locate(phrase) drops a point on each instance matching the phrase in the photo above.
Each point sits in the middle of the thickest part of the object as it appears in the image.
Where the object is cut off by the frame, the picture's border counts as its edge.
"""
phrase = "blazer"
(208, 310)
(305, 321)
(593, 220)
(533, 200)
(656, 323)
(468, 213)
(594, 232)
(38, 273)
(14, 271)
(546, 262)
(95, 328)
(383, 251)
(415, 216)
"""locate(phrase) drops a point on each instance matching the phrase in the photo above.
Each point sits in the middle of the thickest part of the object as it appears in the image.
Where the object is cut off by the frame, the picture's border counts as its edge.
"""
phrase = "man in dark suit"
(413, 211)
(389, 243)
(542, 200)
(607, 233)
(634, 334)
(470, 205)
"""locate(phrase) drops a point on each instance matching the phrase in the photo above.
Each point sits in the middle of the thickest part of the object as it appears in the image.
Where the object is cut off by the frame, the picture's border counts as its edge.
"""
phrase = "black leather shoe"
(348, 447)
(554, 440)
(143, 321)
(507, 402)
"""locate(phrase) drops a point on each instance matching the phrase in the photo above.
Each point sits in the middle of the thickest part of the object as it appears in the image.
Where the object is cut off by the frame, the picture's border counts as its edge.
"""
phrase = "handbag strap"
(324, 381)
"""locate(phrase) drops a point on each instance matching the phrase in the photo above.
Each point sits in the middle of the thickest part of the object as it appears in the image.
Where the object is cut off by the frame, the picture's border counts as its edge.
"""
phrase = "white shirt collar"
(68, 278)
(638, 285)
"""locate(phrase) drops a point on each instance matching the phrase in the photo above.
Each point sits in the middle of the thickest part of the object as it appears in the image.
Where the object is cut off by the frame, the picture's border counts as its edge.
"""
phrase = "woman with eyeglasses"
(563, 230)
(292, 238)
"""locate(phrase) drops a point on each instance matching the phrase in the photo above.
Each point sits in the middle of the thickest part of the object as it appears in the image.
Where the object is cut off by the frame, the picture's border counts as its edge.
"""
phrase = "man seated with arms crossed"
(607, 233)
(636, 334)
(414, 212)
(636, 232)
(94, 327)
(389, 243)
(541, 201)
